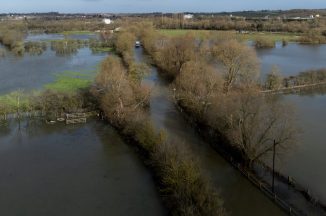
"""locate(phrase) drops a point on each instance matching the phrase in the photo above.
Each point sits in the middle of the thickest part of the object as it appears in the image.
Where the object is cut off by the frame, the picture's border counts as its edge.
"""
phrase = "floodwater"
(306, 163)
(33, 72)
(240, 196)
(293, 58)
(49, 37)
(72, 170)
(88, 170)
(67, 170)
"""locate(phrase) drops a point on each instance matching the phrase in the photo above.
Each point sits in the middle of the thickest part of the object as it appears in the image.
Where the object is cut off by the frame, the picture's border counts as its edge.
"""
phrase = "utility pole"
(273, 183)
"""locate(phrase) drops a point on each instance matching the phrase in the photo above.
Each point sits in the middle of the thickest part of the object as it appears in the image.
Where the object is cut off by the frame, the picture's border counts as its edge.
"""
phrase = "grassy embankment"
(290, 37)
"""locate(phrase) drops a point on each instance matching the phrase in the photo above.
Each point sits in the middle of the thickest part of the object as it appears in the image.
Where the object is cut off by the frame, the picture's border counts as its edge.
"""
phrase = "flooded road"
(240, 196)
(72, 170)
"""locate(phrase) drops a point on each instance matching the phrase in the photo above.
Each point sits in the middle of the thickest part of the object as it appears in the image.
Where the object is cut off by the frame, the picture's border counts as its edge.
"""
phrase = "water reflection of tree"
(4, 128)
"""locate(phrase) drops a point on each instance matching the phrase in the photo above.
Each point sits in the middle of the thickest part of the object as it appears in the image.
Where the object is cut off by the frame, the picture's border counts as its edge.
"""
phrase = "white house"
(188, 16)
(317, 15)
(107, 21)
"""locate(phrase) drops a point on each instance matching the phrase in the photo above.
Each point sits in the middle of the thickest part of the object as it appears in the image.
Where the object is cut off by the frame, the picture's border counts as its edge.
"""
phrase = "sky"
(126, 6)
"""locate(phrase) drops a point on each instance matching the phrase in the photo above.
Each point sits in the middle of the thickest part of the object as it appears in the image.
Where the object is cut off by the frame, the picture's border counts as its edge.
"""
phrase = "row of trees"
(228, 23)
(220, 90)
(276, 81)
(124, 102)
(62, 25)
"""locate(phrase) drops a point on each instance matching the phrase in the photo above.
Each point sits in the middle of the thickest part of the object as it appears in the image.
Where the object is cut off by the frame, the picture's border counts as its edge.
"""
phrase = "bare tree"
(240, 62)
(274, 79)
(196, 86)
(176, 53)
(120, 99)
(256, 122)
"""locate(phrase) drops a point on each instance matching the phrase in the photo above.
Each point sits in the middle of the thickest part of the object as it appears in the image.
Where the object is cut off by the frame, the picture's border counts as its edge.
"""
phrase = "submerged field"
(76, 71)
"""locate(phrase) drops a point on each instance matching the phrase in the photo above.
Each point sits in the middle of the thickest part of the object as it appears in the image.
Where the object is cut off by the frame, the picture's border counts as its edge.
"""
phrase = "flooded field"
(72, 170)
(88, 169)
(33, 72)
(293, 58)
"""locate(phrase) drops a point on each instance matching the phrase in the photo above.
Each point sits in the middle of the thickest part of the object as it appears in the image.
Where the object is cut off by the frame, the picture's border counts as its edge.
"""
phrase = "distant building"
(317, 16)
(107, 21)
(188, 16)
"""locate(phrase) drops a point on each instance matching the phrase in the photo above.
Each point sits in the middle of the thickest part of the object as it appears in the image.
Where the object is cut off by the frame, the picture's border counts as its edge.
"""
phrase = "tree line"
(216, 83)
(276, 81)
(124, 102)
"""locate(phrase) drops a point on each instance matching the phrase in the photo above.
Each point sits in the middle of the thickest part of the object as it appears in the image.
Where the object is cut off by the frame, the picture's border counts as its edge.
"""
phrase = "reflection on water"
(72, 170)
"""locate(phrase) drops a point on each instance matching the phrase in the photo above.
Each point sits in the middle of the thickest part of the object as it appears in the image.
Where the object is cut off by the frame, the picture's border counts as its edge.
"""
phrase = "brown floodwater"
(72, 170)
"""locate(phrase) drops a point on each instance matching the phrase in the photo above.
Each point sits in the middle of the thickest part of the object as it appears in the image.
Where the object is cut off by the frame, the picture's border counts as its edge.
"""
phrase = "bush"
(262, 42)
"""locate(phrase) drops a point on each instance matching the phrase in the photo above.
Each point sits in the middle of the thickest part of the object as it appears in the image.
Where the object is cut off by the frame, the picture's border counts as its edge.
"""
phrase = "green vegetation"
(14, 102)
(70, 89)
(252, 36)
(102, 49)
(69, 84)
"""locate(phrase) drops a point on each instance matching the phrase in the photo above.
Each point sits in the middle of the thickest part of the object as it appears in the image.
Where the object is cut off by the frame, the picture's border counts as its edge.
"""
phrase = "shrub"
(264, 42)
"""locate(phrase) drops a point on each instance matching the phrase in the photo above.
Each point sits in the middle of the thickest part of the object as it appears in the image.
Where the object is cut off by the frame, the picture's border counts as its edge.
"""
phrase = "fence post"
(273, 183)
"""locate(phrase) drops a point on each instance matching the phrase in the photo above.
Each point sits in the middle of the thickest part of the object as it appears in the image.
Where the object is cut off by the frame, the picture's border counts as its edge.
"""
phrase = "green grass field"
(70, 81)
(103, 49)
(67, 82)
(233, 34)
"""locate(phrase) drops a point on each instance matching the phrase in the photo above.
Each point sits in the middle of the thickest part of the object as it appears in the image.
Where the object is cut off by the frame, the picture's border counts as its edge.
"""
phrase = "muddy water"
(293, 58)
(306, 163)
(241, 197)
(32, 72)
(72, 170)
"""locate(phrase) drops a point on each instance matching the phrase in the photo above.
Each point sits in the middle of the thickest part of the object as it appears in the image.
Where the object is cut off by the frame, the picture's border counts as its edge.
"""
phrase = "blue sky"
(152, 5)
